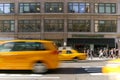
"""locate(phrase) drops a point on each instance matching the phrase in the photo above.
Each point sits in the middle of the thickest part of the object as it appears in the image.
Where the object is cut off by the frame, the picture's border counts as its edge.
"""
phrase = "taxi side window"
(68, 52)
(28, 46)
(33, 46)
(7, 46)
(19, 46)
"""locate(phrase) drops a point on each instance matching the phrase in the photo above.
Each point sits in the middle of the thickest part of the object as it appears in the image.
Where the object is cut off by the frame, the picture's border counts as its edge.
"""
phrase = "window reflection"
(101, 8)
(108, 8)
(78, 7)
(105, 8)
(54, 25)
(82, 8)
(29, 25)
(29, 7)
(75, 7)
(79, 25)
(1, 8)
(26, 8)
(7, 26)
(7, 8)
(53, 7)
(105, 26)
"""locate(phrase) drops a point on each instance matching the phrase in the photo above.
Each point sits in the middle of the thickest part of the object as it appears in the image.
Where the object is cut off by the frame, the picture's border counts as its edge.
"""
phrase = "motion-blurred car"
(71, 54)
(112, 66)
(1, 41)
(36, 55)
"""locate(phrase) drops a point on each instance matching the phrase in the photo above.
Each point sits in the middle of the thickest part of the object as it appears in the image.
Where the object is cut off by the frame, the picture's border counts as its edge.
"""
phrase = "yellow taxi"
(36, 55)
(112, 66)
(71, 54)
(1, 41)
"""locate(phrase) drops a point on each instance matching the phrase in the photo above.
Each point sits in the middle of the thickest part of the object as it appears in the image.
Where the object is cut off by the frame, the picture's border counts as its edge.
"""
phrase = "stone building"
(78, 23)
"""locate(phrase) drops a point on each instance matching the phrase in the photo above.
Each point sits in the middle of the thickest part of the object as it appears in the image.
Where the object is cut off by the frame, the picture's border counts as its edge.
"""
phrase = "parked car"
(112, 66)
(71, 54)
(36, 55)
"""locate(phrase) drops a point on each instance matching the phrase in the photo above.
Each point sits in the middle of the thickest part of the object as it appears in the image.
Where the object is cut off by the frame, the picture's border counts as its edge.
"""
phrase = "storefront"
(94, 44)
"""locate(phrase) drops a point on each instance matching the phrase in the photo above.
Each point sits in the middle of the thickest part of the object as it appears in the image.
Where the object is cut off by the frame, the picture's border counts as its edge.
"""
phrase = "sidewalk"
(97, 58)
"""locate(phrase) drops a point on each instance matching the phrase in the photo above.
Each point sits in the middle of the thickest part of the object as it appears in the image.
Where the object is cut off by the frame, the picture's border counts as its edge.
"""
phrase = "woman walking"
(101, 53)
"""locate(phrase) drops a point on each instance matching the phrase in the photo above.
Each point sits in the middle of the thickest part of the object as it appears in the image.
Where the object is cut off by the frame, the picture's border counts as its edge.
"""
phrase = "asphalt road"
(82, 70)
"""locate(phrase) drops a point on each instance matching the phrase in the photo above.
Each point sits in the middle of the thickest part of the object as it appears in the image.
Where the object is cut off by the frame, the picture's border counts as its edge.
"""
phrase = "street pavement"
(81, 70)
(97, 58)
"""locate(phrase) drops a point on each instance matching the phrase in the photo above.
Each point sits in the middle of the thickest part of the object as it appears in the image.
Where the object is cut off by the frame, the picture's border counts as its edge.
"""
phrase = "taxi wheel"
(75, 59)
(39, 68)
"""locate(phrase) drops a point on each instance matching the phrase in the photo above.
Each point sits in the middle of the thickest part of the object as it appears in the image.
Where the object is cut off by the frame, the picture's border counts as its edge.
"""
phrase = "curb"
(99, 59)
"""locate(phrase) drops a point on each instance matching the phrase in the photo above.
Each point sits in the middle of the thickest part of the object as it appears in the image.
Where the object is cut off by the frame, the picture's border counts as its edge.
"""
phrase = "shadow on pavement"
(58, 71)
(77, 70)
(15, 72)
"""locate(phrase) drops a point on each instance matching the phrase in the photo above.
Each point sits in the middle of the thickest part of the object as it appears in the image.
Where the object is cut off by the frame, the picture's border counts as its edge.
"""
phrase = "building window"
(29, 7)
(7, 8)
(109, 8)
(7, 26)
(78, 25)
(78, 7)
(53, 7)
(105, 26)
(54, 25)
(29, 25)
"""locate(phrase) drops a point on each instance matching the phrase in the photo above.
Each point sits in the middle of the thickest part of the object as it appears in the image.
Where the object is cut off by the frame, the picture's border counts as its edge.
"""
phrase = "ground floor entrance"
(94, 44)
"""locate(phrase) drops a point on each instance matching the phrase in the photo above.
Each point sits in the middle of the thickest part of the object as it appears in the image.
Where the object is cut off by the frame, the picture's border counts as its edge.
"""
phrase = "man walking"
(101, 53)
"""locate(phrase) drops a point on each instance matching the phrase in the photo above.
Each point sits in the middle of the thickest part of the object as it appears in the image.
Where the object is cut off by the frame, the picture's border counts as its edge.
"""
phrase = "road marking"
(26, 77)
(23, 75)
(50, 77)
(92, 66)
(96, 69)
(111, 76)
(108, 74)
(94, 74)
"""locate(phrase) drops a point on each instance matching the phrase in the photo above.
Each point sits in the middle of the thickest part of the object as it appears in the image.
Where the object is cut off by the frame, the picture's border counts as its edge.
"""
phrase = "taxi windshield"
(6, 47)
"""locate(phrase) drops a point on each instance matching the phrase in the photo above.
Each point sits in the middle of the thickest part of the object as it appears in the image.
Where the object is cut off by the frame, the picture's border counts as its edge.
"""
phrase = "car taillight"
(55, 52)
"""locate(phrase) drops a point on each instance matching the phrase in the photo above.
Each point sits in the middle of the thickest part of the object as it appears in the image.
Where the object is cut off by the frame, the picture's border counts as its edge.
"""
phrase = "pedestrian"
(88, 53)
(118, 53)
(112, 53)
(100, 53)
(91, 54)
(105, 53)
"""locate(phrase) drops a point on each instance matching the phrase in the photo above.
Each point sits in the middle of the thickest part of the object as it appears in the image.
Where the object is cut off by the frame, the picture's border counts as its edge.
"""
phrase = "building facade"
(63, 21)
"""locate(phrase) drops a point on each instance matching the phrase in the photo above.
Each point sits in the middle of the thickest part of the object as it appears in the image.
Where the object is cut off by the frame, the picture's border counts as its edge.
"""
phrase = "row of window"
(58, 7)
(53, 25)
